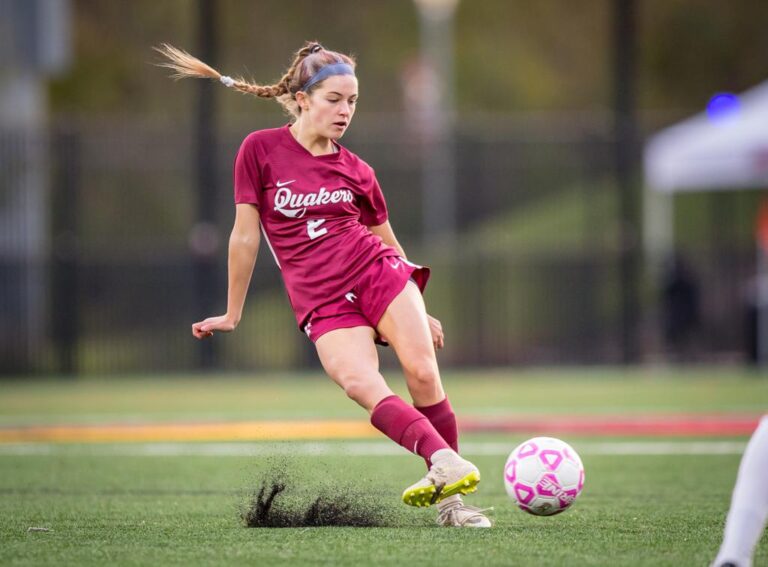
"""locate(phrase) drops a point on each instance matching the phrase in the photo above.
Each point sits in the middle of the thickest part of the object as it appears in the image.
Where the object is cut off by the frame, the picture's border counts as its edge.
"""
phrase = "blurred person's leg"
(749, 503)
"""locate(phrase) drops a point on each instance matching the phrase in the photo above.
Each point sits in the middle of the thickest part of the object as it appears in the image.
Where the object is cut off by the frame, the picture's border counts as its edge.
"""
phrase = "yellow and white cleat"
(449, 475)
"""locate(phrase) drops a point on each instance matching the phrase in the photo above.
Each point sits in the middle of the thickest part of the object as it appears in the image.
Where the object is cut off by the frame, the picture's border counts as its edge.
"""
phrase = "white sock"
(450, 501)
(441, 454)
(749, 504)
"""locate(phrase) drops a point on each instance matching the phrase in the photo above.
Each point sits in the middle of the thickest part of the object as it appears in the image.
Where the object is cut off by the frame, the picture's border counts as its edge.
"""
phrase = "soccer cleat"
(423, 493)
(454, 513)
(448, 476)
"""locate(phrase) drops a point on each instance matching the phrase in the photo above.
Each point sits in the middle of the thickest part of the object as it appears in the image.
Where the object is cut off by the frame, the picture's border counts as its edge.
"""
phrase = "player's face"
(332, 105)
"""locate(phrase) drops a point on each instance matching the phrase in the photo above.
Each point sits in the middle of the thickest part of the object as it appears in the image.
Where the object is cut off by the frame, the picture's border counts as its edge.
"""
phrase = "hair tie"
(315, 48)
(228, 81)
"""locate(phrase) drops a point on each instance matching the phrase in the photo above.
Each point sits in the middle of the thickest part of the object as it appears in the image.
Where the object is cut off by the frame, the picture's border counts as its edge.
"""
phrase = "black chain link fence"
(99, 271)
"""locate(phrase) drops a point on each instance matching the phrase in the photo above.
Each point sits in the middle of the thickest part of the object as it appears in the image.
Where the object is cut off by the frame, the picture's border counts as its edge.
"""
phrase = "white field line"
(354, 448)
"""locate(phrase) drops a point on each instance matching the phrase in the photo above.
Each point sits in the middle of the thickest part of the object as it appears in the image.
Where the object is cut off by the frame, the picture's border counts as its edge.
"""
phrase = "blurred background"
(555, 163)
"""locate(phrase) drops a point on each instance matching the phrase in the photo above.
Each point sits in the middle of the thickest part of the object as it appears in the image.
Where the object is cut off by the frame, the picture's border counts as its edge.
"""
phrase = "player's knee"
(423, 373)
(355, 385)
(354, 390)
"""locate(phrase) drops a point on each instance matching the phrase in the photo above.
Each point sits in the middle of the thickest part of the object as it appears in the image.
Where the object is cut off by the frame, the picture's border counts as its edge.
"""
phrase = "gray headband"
(327, 71)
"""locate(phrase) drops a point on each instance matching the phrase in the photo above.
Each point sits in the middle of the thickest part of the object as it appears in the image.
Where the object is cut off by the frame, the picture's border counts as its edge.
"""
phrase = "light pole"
(437, 112)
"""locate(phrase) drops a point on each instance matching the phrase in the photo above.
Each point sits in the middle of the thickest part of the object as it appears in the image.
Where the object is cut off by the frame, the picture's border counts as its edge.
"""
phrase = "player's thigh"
(406, 327)
(349, 357)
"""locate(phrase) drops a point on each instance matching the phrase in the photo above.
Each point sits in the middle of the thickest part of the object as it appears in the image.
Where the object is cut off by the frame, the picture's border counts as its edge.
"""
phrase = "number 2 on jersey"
(312, 228)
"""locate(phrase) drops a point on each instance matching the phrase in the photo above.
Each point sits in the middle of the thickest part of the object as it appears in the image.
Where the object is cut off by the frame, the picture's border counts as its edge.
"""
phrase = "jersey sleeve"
(247, 176)
(373, 207)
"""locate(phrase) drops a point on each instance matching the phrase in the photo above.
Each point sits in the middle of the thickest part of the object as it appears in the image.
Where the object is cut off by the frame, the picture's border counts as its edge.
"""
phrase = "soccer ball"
(543, 476)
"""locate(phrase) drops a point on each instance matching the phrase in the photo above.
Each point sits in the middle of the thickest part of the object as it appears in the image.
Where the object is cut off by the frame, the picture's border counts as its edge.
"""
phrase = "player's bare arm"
(387, 235)
(243, 249)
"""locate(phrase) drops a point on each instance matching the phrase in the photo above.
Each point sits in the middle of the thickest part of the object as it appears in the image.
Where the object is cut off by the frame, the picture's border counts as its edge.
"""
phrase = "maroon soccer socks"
(442, 418)
(407, 426)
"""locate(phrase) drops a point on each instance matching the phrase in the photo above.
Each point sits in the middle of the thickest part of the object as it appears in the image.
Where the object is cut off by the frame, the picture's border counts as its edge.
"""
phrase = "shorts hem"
(342, 326)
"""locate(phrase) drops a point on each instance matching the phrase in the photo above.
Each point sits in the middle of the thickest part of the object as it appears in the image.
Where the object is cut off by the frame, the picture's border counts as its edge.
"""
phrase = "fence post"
(65, 204)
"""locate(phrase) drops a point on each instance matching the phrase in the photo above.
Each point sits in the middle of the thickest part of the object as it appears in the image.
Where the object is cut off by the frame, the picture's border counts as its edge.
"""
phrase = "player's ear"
(302, 99)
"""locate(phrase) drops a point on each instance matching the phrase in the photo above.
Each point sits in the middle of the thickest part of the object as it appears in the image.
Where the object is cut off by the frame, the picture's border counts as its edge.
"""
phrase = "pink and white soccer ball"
(544, 476)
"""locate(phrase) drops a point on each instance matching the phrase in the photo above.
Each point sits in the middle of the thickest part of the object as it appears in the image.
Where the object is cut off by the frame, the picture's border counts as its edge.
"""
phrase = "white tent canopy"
(704, 154)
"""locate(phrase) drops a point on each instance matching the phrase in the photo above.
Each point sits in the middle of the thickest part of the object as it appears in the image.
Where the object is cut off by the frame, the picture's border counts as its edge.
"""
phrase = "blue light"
(723, 106)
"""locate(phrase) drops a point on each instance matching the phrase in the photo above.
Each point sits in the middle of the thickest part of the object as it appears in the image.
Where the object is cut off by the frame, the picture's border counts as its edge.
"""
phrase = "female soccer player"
(324, 217)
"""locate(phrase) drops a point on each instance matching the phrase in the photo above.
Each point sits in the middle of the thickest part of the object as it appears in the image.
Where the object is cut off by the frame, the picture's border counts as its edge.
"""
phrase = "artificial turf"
(118, 505)
(635, 510)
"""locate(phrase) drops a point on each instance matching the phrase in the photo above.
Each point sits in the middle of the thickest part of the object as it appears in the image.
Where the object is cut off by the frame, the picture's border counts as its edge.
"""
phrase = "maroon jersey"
(314, 212)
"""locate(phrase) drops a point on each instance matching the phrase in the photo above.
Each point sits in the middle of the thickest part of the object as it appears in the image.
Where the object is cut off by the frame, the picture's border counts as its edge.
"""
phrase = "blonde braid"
(284, 91)
(186, 66)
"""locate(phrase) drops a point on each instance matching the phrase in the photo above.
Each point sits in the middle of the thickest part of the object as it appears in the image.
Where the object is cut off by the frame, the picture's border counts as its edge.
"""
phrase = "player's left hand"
(436, 328)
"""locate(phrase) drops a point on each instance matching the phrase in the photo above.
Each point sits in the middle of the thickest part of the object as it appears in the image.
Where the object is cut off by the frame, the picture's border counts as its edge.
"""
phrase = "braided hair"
(306, 62)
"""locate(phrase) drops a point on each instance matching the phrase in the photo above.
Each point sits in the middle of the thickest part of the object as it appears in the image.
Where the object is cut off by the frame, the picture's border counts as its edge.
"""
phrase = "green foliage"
(692, 50)
(574, 219)
(510, 56)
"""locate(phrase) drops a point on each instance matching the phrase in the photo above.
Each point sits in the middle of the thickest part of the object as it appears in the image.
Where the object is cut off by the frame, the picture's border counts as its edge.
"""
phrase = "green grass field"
(180, 503)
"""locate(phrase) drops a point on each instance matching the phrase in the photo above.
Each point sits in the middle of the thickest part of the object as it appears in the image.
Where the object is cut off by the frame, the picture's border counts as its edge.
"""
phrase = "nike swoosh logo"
(396, 265)
(284, 183)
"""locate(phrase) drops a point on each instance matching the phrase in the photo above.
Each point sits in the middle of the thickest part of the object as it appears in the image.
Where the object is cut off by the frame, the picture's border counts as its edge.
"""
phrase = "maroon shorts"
(366, 302)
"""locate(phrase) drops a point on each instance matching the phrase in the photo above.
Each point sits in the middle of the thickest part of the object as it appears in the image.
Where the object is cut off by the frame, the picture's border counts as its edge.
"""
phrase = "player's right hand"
(206, 328)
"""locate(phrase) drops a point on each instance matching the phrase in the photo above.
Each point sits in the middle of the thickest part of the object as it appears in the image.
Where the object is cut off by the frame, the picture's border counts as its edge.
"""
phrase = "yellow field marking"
(233, 431)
